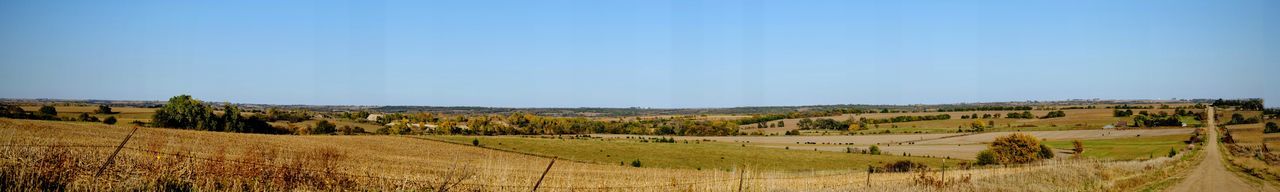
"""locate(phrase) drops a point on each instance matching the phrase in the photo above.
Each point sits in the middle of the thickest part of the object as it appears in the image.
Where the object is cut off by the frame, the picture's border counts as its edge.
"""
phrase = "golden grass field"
(161, 159)
(1247, 154)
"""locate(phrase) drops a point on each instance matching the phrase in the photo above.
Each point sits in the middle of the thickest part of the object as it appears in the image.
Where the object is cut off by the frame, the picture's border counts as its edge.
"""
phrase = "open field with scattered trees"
(685, 154)
(190, 144)
(65, 155)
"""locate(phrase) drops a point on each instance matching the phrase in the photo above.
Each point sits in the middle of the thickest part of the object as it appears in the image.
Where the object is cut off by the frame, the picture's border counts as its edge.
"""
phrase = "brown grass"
(168, 159)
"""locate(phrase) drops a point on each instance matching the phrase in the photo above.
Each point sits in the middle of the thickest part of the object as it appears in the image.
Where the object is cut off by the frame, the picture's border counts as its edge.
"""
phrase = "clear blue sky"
(645, 53)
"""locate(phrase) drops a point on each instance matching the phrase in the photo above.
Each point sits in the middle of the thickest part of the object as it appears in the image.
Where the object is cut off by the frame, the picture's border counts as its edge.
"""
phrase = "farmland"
(1127, 148)
(397, 162)
(1076, 119)
(162, 158)
(124, 114)
(688, 155)
(948, 145)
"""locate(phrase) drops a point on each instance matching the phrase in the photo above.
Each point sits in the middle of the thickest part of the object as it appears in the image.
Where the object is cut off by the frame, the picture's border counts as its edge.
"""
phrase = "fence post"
(544, 175)
(741, 171)
(869, 170)
(110, 159)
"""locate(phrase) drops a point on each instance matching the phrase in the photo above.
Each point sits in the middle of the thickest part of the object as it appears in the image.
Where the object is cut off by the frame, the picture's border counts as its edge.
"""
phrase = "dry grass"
(1247, 154)
(167, 159)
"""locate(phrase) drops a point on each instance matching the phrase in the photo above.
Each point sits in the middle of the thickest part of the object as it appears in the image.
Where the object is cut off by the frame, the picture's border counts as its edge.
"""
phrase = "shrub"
(875, 150)
(985, 157)
(1045, 152)
(1077, 147)
(111, 120)
(48, 110)
(904, 166)
(87, 117)
(324, 127)
(1272, 128)
(103, 109)
(1016, 148)
(1172, 152)
(475, 142)
(977, 126)
(635, 163)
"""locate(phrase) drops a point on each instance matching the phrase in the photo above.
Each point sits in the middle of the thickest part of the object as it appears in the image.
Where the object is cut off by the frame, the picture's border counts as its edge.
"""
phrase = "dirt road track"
(1212, 174)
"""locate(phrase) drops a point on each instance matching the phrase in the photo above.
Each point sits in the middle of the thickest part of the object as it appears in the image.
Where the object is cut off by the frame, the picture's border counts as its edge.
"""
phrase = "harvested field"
(162, 159)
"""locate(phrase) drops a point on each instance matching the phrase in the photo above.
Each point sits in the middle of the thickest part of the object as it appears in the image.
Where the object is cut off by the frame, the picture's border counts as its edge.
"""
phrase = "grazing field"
(66, 155)
(1126, 148)
(947, 145)
(123, 115)
(1076, 119)
(686, 154)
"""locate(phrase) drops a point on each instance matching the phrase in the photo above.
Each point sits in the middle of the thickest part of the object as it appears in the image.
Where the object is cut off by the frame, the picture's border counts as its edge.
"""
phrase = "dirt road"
(1212, 174)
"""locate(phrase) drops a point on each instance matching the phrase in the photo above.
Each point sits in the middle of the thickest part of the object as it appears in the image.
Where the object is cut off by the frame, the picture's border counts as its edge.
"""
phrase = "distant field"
(948, 145)
(691, 155)
(1127, 148)
(123, 115)
(368, 127)
(1076, 119)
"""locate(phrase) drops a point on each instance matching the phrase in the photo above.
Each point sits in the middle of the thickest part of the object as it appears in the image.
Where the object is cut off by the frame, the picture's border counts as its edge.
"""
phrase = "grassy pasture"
(691, 155)
(388, 163)
(368, 127)
(1076, 119)
(1127, 148)
(123, 115)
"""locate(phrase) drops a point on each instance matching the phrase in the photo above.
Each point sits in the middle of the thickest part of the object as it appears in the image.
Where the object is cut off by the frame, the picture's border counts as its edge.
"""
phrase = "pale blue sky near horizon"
(650, 53)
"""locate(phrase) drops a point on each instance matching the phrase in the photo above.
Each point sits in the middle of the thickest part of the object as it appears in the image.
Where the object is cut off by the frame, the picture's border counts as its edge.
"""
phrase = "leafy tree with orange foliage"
(1016, 148)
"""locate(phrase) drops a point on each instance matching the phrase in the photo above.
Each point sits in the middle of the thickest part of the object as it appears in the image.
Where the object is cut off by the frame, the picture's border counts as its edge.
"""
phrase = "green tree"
(1272, 128)
(103, 109)
(1045, 152)
(184, 112)
(231, 119)
(986, 157)
(324, 127)
(110, 120)
(48, 110)
(875, 150)
(87, 117)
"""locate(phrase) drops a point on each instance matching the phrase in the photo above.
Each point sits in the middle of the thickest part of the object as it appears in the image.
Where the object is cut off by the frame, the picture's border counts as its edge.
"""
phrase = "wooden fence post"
(544, 175)
(869, 170)
(741, 171)
(112, 158)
